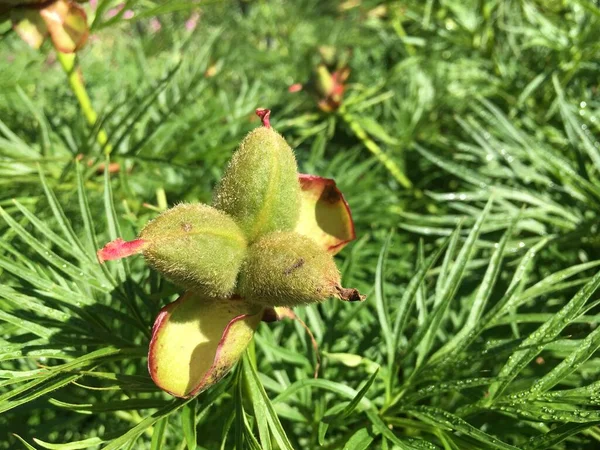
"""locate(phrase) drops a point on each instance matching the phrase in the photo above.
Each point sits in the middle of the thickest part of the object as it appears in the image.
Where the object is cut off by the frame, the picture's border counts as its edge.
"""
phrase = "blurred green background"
(447, 103)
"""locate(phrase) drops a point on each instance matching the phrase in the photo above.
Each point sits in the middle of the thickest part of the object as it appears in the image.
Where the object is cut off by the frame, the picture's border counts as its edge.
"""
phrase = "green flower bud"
(197, 340)
(193, 245)
(260, 188)
(288, 269)
(324, 81)
(267, 245)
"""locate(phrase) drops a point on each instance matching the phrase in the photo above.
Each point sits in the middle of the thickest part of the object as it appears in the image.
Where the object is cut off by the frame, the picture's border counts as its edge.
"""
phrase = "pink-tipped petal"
(196, 341)
(324, 213)
(119, 248)
(264, 115)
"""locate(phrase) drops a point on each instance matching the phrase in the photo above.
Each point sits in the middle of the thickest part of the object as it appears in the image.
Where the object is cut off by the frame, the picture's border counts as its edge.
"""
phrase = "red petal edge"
(162, 316)
(119, 248)
(334, 195)
(217, 354)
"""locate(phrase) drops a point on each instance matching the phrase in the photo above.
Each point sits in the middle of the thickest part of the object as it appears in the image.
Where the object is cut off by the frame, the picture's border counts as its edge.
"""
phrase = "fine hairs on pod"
(288, 269)
(260, 188)
(196, 247)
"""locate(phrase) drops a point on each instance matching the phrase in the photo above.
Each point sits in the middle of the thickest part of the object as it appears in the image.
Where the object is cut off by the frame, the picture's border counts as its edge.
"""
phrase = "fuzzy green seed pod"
(288, 269)
(197, 247)
(193, 245)
(260, 188)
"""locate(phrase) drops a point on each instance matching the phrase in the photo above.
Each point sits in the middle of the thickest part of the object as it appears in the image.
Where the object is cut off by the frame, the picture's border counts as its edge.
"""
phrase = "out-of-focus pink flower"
(93, 3)
(192, 22)
(128, 14)
(155, 25)
(114, 11)
(296, 87)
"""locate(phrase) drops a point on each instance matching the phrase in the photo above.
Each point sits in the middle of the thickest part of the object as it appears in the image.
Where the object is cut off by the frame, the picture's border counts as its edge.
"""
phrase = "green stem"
(385, 159)
(68, 63)
(399, 29)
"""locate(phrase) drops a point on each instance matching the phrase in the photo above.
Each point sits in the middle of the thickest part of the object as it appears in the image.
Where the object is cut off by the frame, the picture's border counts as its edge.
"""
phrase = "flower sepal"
(197, 340)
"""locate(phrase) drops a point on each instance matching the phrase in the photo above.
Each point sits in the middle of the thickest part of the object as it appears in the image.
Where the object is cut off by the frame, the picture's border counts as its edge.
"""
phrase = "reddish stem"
(264, 115)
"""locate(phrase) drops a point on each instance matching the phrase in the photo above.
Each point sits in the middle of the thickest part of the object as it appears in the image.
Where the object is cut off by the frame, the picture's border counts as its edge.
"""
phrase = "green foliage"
(480, 326)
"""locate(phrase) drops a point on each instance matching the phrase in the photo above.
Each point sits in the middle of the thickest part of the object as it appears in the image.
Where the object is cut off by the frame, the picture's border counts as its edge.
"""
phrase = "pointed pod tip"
(119, 248)
(350, 295)
(264, 115)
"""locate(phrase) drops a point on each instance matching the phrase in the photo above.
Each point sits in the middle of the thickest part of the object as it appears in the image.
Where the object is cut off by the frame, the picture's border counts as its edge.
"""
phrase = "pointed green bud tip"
(197, 340)
(288, 269)
(193, 245)
(260, 188)
(324, 81)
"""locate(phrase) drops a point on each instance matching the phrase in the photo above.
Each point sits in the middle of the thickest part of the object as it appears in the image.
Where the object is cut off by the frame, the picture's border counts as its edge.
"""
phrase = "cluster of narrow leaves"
(75, 337)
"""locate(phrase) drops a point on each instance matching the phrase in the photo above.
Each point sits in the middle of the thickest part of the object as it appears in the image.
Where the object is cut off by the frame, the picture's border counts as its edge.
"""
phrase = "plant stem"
(68, 63)
(385, 159)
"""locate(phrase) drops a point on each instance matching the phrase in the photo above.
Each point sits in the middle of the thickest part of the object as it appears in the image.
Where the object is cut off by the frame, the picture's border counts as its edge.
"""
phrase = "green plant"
(480, 328)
